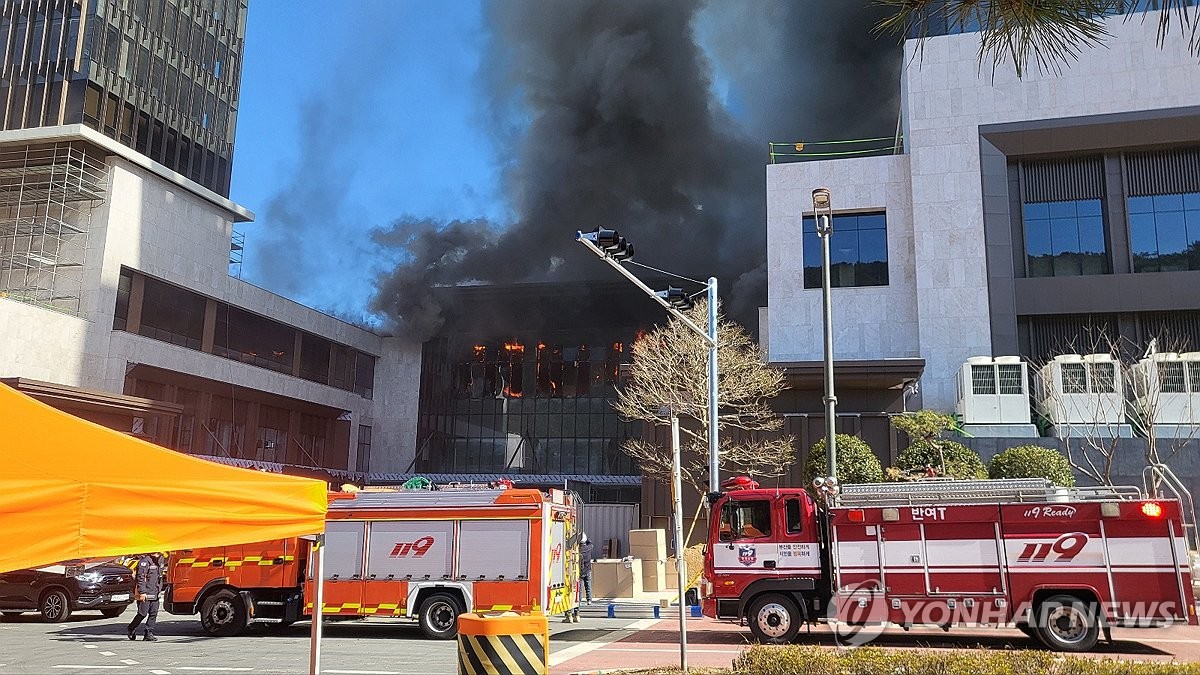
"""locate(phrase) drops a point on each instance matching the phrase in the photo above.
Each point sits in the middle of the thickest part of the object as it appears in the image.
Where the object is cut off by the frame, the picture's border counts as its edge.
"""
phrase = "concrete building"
(116, 301)
(1027, 216)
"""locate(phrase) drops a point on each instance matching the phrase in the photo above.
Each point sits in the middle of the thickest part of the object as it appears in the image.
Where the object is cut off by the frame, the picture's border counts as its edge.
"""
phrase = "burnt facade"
(522, 380)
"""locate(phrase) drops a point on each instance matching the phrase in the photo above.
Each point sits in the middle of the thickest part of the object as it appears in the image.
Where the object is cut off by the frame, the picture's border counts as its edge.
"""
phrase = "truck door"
(343, 567)
(962, 548)
(745, 541)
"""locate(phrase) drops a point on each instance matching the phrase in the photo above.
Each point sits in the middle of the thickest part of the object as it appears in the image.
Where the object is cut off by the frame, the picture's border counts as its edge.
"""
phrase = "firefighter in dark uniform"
(149, 585)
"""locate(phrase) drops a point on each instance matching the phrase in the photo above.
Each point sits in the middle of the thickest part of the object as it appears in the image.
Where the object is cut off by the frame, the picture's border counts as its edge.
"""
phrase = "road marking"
(89, 646)
(130, 662)
(223, 670)
(89, 667)
(363, 672)
(161, 672)
(691, 650)
(108, 653)
(573, 651)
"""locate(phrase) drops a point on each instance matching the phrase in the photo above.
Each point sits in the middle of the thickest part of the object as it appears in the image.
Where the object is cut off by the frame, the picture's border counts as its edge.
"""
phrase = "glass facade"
(1065, 238)
(522, 405)
(160, 76)
(177, 315)
(1165, 232)
(857, 251)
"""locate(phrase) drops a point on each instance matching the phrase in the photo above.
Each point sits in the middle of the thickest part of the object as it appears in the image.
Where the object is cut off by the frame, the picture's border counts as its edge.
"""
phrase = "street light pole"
(823, 214)
(595, 241)
(714, 482)
(680, 560)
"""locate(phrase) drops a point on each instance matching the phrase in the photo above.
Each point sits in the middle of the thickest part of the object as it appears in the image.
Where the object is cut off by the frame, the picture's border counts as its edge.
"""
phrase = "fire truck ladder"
(1159, 476)
(975, 491)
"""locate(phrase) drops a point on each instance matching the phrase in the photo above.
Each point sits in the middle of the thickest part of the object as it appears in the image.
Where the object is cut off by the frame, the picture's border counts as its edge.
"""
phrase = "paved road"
(88, 644)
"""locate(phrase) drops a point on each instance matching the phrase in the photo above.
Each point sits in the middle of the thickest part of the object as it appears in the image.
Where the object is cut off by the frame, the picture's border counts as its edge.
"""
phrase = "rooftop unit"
(1166, 394)
(993, 391)
(1082, 396)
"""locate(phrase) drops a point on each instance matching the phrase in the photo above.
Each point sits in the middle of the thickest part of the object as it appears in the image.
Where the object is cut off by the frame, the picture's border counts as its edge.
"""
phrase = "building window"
(172, 314)
(1164, 231)
(250, 338)
(313, 432)
(363, 463)
(857, 251)
(124, 288)
(1065, 238)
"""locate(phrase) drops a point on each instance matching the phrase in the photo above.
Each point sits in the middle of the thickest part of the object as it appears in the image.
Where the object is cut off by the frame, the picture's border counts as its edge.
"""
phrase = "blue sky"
(388, 84)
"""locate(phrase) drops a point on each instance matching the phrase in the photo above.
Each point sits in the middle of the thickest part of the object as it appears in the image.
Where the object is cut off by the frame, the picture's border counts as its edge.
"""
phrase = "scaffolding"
(47, 195)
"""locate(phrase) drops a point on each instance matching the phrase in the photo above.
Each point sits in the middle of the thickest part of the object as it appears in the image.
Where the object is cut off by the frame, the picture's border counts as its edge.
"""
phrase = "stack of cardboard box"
(616, 578)
(650, 548)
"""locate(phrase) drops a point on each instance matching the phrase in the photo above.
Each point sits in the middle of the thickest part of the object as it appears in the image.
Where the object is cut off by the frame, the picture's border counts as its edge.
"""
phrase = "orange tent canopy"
(73, 489)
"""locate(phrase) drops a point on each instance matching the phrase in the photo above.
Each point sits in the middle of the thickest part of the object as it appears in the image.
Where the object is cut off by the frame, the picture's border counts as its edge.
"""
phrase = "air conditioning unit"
(1166, 388)
(1081, 391)
(993, 391)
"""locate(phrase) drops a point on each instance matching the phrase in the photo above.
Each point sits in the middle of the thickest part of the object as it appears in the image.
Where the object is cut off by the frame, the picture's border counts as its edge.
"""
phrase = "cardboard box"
(648, 544)
(654, 575)
(672, 576)
(616, 579)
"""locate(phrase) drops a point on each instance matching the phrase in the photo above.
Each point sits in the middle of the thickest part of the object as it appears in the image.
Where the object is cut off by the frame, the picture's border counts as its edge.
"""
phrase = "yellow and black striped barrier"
(234, 563)
(504, 644)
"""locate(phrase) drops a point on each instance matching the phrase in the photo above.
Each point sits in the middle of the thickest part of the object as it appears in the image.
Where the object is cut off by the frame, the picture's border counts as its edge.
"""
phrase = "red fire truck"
(428, 555)
(1062, 565)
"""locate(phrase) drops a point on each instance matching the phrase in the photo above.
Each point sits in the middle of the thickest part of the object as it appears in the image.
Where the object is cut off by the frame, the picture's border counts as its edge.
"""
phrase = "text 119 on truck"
(1062, 565)
(427, 555)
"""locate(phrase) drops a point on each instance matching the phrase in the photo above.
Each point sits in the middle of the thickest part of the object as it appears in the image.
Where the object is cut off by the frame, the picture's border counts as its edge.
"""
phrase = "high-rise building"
(116, 301)
(159, 76)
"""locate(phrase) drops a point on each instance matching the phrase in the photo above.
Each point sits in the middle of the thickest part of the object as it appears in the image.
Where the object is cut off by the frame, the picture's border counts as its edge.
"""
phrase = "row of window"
(176, 315)
(1067, 238)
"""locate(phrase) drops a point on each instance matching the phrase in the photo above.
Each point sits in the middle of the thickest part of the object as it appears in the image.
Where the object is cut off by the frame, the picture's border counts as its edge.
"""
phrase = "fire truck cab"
(1062, 565)
(427, 555)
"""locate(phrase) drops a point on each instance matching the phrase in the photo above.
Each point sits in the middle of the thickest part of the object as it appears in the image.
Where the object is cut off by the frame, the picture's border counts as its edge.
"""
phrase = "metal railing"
(858, 147)
(1026, 490)
(1155, 477)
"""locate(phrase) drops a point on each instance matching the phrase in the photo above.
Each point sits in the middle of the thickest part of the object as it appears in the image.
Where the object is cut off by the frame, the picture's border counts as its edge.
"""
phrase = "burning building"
(521, 379)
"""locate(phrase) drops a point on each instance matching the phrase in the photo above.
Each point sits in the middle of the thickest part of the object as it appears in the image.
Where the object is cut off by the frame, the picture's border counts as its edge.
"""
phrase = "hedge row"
(790, 659)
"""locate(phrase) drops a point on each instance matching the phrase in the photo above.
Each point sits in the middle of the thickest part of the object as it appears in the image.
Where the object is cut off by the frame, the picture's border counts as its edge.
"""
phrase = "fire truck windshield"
(745, 519)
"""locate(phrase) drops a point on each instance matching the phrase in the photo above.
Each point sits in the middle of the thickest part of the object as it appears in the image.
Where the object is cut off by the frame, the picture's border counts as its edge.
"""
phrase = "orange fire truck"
(428, 555)
(1062, 565)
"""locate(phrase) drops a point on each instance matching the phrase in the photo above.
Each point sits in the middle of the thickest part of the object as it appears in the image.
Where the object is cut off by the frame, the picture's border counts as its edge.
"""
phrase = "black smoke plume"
(621, 129)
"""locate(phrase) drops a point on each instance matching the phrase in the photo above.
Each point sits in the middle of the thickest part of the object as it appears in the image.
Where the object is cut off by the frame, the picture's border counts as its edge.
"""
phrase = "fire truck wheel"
(439, 616)
(1067, 623)
(223, 614)
(773, 619)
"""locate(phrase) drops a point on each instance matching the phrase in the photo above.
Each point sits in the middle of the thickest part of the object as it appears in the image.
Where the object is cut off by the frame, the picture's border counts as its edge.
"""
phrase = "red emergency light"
(856, 515)
(1152, 509)
(739, 483)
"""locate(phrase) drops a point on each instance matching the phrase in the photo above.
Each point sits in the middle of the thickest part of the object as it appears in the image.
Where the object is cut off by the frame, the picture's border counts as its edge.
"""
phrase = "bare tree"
(1096, 399)
(1048, 32)
(670, 373)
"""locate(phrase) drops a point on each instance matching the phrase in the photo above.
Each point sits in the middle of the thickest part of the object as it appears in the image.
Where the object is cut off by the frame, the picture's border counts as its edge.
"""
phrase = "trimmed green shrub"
(789, 659)
(856, 463)
(961, 461)
(1032, 461)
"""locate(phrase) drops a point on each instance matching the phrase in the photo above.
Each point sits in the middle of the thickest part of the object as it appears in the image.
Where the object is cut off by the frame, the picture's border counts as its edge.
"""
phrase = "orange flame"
(514, 347)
